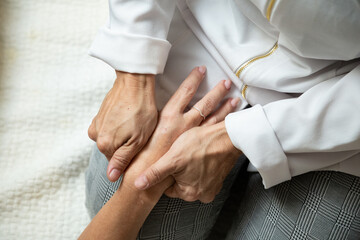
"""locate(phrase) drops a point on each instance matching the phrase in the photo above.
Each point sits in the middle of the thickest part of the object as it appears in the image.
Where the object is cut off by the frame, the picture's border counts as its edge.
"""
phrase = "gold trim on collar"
(270, 7)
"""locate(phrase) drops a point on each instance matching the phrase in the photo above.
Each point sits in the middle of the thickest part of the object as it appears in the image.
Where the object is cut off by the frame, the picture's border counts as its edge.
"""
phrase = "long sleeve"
(289, 137)
(304, 28)
(322, 29)
(134, 40)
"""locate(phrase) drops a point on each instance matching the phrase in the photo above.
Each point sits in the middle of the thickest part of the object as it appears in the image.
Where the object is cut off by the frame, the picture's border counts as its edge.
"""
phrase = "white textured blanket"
(49, 91)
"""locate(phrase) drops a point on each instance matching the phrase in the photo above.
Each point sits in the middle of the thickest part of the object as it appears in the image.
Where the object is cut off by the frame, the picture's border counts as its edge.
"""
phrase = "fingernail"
(227, 84)
(234, 102)
(114, 174)
(202, 69)
(141, 182)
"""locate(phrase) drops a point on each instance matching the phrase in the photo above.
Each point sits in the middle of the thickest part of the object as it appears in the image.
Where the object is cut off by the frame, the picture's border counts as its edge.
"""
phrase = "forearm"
(303, 134)
(124, 214)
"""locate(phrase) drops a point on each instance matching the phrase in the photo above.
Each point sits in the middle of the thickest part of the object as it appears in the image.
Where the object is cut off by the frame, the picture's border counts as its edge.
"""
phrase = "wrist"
(148, 197)
(137, 89)
(220, 128)
(136, 81)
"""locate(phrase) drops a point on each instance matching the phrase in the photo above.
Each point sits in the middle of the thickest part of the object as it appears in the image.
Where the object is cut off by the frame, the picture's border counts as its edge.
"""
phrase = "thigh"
(317, 205)
(97, 186)
(171, 218)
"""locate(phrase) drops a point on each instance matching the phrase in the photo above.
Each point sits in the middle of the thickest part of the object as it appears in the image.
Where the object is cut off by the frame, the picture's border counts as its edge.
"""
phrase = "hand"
(120, 210)
(174, 120)
(199, 160)
(125, 121)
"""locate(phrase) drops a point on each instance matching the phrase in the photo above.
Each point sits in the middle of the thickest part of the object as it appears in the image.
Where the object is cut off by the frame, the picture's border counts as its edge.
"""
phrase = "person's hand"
(199, 160)
(125, 121)
(174, 120)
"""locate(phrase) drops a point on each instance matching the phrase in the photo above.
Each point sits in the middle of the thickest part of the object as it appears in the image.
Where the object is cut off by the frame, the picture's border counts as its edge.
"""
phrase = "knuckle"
(191, 195)
(138, 142)
(134, 142)
(168, 114)
(213, 120)
(188, 89)
(176, 162)
(155, 173)
(191, 120)
(120, 161)
(103, 144)
(92, 133)
(152, 113)
(92, 130)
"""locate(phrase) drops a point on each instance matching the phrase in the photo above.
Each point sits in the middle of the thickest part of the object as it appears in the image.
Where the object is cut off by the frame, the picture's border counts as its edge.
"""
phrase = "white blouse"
(296, 62)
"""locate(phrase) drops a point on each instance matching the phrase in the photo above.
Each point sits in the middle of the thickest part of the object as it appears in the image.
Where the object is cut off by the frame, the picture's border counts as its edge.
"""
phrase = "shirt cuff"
(129, 52)
(251, 132)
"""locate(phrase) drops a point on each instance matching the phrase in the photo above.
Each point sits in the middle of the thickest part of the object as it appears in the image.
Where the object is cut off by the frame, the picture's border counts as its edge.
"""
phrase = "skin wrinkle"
(177, 125)
(120, 138)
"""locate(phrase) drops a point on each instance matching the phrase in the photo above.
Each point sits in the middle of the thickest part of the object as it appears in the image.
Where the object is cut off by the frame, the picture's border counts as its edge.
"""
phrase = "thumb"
(155, 173)
(119, 162)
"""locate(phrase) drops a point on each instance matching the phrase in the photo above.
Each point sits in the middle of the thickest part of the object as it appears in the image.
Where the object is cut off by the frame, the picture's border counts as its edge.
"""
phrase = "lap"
(316, 205)
(171, 218)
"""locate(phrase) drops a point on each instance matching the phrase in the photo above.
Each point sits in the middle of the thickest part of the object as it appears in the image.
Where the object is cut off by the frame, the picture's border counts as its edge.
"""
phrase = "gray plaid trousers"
(171, 218)
(317, 205)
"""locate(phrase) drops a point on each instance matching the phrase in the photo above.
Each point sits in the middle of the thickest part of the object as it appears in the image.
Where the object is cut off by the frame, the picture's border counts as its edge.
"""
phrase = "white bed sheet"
(49, 91)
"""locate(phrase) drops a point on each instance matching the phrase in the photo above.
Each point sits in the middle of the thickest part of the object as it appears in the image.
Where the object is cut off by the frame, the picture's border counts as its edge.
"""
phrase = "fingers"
(156, 173)
(119, 161)
(208, 103)
(105, 146)
(187, 89)
(222, 112)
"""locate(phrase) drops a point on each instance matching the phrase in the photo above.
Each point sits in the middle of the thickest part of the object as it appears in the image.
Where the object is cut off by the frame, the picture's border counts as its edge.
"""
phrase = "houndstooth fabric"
(171, 218)
(317, 205)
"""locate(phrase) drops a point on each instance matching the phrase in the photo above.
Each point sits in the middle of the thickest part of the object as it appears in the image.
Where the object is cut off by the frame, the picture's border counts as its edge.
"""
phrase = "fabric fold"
(146, 54)
(250, 132)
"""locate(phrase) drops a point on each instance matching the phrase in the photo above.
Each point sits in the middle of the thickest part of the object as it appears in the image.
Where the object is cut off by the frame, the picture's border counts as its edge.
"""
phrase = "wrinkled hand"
(125, 121)
(175, 119)
(199, 160)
